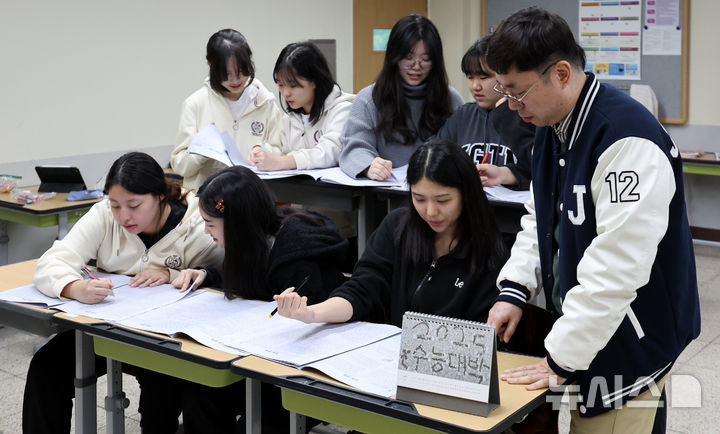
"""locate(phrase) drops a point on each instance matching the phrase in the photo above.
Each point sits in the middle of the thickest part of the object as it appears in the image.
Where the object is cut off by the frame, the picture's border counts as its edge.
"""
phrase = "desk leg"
(297, 423)
(253, 423)
(62, 225)
(115, 401)
(365, 219)
(4, 240)
(85, 385)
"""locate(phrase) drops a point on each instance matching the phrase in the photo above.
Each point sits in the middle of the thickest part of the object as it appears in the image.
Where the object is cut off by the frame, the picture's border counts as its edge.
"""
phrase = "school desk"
(706, 163)
(22, 316)
(55, 211)
(311, 393)
(178, 357)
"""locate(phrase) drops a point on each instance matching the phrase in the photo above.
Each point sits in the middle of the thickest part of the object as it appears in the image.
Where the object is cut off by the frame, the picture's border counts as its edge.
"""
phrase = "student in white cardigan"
(232, 99)
(316, 110)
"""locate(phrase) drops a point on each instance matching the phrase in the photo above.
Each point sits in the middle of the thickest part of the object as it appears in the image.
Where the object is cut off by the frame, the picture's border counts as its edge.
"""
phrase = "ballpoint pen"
(485, 158)
(85, 270)
(297, 288)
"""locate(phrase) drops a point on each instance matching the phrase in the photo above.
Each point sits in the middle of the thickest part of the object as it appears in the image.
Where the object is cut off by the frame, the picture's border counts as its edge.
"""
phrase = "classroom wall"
(84, 81)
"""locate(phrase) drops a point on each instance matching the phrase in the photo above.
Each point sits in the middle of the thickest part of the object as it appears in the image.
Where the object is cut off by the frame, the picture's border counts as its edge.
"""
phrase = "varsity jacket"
(499, 131)
(260, 122)
(317, 146)
(97, 235)
(384, 286)
(627, 267)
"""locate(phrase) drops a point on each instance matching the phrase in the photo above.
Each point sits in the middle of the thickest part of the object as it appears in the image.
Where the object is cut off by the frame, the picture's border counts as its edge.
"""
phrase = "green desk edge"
(165, 364)
(347, 416)
(41, 221)
(701, 169)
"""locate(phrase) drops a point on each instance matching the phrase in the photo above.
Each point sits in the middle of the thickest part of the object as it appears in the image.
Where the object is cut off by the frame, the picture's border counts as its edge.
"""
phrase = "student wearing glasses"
(232, 99)
(499, 142)
(408, 103)
(606, 237)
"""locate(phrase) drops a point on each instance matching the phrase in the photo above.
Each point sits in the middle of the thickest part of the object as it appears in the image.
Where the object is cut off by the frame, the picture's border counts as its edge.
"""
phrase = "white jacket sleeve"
(185, 164)
(273, 133)
(327, 151)
(523, 267)
(60, 264)
(632, 187)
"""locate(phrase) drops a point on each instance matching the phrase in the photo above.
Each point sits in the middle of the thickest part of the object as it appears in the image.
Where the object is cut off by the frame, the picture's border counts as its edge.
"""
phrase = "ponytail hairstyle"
(305, 60)
(388, 94)
(445, 163)
(139, 173)
(223, 46)
(250, 219)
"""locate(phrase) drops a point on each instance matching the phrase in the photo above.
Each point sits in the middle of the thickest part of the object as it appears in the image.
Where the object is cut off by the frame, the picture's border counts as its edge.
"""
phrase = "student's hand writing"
(504, 317)
(88, 291)
(380, 169)
(536, 376)
(257, 156)
(187, 277)
(491, 174)
(153, 277)
(291, 305)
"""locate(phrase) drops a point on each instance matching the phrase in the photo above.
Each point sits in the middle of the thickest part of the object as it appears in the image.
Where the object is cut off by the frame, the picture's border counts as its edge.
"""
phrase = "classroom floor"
(699, 361)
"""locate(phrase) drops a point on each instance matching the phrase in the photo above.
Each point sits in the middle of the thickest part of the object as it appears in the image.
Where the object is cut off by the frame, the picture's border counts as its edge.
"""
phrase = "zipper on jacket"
(144, 259)
(426, 278)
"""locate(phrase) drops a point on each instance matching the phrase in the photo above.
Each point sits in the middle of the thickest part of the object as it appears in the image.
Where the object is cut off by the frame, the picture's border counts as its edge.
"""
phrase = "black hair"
(530, 39)
(473, 61)
(223, 46)
(445, 163)
(139, 173)
(250, 218)
(305, 60)
(388, 94)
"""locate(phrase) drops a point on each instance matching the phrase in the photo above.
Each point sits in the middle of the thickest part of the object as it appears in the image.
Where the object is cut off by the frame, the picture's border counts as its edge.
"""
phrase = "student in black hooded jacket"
(439, 256)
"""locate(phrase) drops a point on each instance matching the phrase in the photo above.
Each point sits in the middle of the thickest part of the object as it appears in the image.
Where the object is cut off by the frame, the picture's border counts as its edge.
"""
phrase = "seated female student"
(407, 104)
(267, 249)
(232, 99)
(439, 256)
(147, 228)
(316, 112)
(488, 127)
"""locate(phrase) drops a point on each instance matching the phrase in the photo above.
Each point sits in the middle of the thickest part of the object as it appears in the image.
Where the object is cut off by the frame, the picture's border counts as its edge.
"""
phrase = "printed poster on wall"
(662, 34)
(610, 36)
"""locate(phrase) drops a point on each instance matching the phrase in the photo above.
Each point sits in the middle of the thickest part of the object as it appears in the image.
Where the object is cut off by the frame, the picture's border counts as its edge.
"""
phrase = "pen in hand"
(485, 158)
(86, 271)
(297, 291)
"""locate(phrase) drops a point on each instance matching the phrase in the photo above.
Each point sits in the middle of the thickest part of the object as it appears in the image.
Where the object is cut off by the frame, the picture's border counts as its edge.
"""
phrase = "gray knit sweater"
(361, 144)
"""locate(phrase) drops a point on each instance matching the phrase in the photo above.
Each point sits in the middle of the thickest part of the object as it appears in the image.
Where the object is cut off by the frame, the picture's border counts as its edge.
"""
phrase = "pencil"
(297, 289)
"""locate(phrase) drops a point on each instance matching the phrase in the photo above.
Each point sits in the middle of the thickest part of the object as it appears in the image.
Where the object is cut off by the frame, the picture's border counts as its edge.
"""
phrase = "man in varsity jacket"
(606, 237)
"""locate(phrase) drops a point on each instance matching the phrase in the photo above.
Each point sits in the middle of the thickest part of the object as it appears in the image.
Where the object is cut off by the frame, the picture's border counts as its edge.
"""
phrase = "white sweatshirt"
(317, 146)
(97, 235)
(260, 122)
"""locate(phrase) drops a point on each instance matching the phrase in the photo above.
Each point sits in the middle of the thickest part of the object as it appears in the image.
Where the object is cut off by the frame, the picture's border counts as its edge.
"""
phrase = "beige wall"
(704, 63)
(85, 76)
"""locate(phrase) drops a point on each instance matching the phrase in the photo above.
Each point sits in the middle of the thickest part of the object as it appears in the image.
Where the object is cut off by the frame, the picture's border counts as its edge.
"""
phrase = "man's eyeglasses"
(519, 99)
(408, 64)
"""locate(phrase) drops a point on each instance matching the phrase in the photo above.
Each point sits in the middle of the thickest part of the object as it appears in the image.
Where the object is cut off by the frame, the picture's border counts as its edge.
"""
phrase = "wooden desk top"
(700, 157)
(55, 204)
(513, 397)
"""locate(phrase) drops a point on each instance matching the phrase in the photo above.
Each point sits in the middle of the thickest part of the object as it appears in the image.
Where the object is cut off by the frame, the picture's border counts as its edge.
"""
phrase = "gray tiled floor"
(699, 361)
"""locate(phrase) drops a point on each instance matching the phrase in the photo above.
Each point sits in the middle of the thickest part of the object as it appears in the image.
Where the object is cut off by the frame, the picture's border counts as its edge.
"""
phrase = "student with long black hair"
(438, 256)
(316, 110)
(232, 99)
(148, 228)
(408, 103)
(267, 249)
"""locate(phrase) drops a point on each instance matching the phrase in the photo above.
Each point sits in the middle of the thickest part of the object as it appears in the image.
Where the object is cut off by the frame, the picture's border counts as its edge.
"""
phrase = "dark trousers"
(50, 388)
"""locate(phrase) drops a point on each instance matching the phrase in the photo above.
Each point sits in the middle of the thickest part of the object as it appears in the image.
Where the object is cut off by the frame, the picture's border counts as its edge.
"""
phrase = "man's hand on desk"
(536, 376)
(504, 317)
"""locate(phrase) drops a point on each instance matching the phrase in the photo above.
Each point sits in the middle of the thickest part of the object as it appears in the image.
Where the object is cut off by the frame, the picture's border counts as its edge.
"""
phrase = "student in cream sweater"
(316, 112)
(148, 228)
(232, 99)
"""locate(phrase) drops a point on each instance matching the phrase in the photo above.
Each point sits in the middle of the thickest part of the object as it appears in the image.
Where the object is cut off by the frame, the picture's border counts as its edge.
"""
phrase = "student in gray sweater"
(408, 103)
